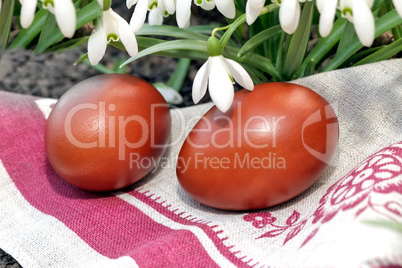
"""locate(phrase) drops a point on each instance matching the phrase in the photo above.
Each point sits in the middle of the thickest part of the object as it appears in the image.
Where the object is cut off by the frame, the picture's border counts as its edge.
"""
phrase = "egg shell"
(107, 132)
(271, 145)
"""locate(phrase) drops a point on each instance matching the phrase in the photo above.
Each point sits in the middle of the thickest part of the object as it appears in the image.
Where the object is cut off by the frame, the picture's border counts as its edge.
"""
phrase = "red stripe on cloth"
(105, 222)
(208, 230)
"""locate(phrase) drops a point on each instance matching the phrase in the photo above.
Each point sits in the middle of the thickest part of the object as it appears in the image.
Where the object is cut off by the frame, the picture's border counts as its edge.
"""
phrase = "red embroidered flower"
(259, 219)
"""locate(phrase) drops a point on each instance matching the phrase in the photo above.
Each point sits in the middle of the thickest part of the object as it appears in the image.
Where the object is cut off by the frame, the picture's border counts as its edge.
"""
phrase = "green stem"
(107, 4)
(179, 75)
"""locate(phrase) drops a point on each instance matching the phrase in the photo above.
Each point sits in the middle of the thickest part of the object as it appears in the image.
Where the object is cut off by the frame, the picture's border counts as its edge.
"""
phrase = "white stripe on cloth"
(46, 241)
(206, 242)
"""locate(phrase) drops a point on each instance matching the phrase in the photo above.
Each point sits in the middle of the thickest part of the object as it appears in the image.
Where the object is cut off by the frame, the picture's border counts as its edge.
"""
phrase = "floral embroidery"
(379, 174)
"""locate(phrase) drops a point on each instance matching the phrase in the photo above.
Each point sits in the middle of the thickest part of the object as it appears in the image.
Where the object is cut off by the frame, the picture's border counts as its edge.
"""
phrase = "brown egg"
(107, 132)
(272, 145)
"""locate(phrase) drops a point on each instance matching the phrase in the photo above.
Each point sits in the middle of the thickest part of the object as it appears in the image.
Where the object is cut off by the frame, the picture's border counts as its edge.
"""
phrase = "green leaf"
(193, 45)
(25, 36)
(347, 36)
(172, 31)
(259, 38)
(82, 58)
(68, 44)
(391, 225)
(383, 54)
(49, 26)
(84, 15)
(179, 75)
(383, 24)
(299, 42)
(323, 46)
(6, 16)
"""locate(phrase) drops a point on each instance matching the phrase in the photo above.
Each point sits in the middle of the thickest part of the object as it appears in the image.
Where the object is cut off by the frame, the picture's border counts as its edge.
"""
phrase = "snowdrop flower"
(112, 28)
(253, 10)
(356, 11)
(218, 74)
(28, 8)
(157, 7)
(183, 9)
(64, 11)
(289, 15)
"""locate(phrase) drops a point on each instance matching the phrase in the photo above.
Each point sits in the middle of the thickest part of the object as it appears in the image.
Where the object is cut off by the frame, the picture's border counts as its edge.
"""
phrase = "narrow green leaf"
(69, 44)
(82, 58)
(172, 31)
(383, 24)
(48, 28)
(179, 75)
(259, 38)
(25, 36)
(383, 54)
(6, 16)
(323, 46)
(298, 45)
(348, 34)
(391, 225)
(84, 15)
(279, 55)
(397, 31)
(194, 45)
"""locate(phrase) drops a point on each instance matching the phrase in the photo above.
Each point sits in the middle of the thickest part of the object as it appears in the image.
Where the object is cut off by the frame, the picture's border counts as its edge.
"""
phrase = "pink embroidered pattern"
(379, 174)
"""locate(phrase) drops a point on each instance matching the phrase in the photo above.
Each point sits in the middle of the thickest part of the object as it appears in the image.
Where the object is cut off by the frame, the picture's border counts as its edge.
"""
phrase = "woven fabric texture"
(47, 222)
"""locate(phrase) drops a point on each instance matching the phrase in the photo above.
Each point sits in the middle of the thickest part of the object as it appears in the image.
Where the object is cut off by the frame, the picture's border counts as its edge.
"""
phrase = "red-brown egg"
(107, 132)
(272, 145)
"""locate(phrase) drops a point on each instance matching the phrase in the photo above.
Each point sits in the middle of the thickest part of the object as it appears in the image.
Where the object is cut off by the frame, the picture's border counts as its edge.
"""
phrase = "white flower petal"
(200, 82)
(129, 3)
(126, 35)
(220, 85)
(97, 44)
(253, 9)
(345, 7)
(65, 17)
(0, 5)
(169, 94)
(289, 15)
(170, 6)
(226, 7)
(155, 17)
(320, 5)
(398, 6)
(208, 5)
(27, 12)
(327, 17)
(239, 74)
(139, 15)
(183, 13)
(363, 21)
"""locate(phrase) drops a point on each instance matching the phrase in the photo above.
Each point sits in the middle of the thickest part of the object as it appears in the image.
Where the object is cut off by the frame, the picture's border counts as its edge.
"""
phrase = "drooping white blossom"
(28, 8)
(253, 10)
(64, 12)
(357, 12)
(183, 9)
(289, 15)
(217, 74)
(156, 7)
(112, 28)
